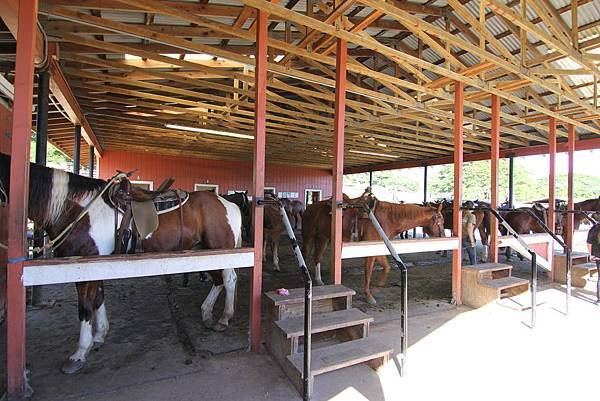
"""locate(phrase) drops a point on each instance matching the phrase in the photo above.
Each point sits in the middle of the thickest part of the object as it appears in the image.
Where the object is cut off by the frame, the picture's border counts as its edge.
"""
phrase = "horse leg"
(208, 304)
(101, 325)
(320, 251)
(86, 293)
(275, 252)
(229, 281)
(370, 263)
(386, 270)
(508, 253)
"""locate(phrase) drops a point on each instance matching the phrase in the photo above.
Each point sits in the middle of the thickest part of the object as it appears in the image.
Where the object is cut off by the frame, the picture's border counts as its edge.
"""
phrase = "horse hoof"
(320, 282)
(371, 300)
(97, 345)
(219, 327)
(208, 323)
(277, 270)
(72, 366)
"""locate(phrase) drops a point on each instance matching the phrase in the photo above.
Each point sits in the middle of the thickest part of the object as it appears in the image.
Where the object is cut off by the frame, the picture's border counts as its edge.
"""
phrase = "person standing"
(593, 243)
(468, 229)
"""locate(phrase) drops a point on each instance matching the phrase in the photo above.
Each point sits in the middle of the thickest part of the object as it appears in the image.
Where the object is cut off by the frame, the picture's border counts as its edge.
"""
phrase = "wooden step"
(342, 355)
(589, 267)
(294, 326)
(488, 267)
(505, 282)
(488, 271)
(321, 292)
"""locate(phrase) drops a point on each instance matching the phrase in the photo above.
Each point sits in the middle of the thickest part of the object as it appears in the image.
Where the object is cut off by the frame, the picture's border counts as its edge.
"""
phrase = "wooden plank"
(488, 267)
(342, 355)
(321, 322)
(377, 248)
(296, 295)
(505, 282)
(76, 269)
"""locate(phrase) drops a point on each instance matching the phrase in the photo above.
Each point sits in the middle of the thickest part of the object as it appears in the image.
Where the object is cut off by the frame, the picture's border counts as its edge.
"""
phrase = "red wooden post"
(551, 177)
(570, 226)
(494, 176)
(459, 96)
(260, 116)
(19, 193)
(338, 161)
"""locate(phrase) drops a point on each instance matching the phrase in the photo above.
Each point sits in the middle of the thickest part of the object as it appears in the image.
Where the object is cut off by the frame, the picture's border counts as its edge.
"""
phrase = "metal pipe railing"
(534, 271)
(403, 284)
(306, 382)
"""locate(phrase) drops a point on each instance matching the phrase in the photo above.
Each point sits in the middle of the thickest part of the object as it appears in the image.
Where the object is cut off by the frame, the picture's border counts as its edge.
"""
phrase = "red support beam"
(19, 193)
(338, 161)
(495, 166)
(551, 177)
(570, 203)
(459, 96)
(260, 117)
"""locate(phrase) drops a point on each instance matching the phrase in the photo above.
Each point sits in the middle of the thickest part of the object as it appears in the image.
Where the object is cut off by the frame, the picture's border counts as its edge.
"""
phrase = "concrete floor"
(457, 353)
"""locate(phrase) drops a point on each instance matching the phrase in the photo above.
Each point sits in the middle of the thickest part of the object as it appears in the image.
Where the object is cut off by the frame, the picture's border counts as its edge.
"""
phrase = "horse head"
(436, 226)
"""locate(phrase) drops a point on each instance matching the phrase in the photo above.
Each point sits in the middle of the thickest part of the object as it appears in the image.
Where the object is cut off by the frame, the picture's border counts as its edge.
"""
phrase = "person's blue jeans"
(472, 255)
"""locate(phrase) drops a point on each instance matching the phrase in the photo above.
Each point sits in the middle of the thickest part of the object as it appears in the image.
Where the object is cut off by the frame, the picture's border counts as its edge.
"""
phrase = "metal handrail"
(568, 256)
(534, 270)
(403, 284)
(306, 382)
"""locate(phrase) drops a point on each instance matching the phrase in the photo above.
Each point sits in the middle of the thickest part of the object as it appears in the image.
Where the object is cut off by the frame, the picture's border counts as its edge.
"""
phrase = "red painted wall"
(227, 174)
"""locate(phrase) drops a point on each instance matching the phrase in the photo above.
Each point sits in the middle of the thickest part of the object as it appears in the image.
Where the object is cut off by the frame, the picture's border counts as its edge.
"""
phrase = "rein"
(57, 241)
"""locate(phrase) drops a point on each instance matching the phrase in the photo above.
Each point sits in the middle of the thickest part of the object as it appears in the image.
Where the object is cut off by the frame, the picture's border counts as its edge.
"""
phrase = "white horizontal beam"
(75, 269)
(530, 239)
(377, 248)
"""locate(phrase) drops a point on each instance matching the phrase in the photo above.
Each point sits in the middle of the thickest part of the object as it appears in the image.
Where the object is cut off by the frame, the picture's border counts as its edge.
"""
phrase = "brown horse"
(316, 231)
(588, 205)
(273, 229)
(396, 218)
(523, 223)
(295, 209)
(56, 198)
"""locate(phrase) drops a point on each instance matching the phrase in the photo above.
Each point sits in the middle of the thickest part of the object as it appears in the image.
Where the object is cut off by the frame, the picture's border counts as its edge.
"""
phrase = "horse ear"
(439, 208)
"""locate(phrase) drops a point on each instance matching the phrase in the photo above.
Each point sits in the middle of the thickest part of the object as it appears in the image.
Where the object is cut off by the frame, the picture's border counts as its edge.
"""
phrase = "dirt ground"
(156, 331)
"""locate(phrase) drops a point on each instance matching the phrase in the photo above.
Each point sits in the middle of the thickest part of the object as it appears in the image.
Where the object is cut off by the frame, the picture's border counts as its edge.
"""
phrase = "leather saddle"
(143, 207)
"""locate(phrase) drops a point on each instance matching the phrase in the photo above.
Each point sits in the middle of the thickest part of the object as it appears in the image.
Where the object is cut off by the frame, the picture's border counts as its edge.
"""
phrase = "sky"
(586, 162)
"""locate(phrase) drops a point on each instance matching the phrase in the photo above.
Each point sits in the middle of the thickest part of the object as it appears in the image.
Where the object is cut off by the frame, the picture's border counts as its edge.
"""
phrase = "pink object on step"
(283, 292)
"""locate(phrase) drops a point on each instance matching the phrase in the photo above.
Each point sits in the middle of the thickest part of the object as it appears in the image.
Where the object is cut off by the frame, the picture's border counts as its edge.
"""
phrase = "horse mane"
(588, 204)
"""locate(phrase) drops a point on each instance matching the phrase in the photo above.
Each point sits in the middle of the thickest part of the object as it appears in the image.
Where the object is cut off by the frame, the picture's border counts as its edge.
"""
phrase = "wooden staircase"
(581, 270)
(488, 282)
(339, 332)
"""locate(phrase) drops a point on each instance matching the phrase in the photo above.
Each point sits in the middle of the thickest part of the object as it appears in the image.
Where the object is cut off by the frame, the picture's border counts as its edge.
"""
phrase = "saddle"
(142, 208)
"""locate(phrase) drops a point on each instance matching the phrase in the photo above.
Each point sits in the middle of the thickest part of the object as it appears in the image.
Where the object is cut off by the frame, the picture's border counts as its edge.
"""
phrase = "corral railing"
(566, 251)
(306, 382)
(376, 246)
(532, 254)
(91, 268)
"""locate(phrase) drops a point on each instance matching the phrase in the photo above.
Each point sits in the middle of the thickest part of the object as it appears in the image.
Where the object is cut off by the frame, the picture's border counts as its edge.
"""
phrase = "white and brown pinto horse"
(56, 198)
